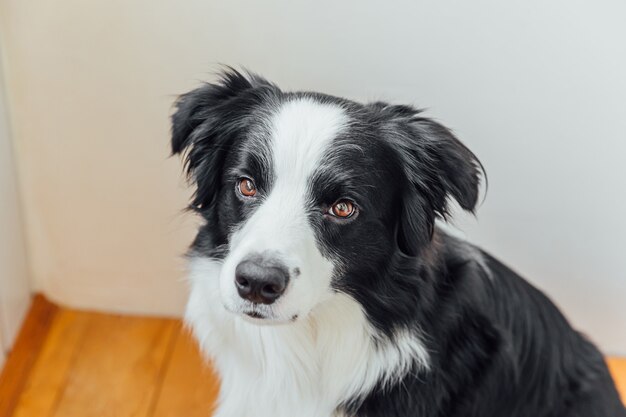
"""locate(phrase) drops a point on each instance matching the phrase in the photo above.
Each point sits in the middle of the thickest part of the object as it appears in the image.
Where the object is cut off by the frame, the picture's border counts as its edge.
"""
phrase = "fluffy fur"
(384, 313)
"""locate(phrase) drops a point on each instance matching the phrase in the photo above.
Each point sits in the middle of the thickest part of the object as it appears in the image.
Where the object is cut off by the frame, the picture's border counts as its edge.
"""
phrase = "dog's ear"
(201, 108)
(206, 122)
(437, 167)
(456, 170)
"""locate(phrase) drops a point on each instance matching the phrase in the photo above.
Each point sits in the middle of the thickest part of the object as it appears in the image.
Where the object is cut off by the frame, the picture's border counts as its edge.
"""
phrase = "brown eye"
(247, 187)
(343, 209)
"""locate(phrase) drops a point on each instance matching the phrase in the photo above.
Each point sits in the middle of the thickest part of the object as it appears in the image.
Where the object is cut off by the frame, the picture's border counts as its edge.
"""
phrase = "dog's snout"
(259, 282)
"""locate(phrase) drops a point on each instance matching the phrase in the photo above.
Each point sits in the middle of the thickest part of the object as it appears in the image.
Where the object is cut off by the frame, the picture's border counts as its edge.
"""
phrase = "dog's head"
(305, 194)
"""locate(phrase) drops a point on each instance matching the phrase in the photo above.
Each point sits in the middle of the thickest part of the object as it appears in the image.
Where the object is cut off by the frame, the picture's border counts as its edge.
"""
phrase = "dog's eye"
(246, 187)
(343, 209)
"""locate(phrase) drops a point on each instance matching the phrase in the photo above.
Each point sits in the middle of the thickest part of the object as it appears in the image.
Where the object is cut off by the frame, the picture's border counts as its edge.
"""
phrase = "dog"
(322, 283)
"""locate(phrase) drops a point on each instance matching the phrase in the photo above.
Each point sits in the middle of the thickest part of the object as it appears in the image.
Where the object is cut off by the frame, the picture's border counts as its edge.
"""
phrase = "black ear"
(201, 107)
(457, 169)
(206, 122)
(437, 167)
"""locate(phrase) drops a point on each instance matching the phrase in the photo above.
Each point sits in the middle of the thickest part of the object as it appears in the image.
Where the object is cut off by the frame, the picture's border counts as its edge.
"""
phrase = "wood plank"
(24, 353)
(43, 389)
(190, 387)
(618, 370)
(117, 367)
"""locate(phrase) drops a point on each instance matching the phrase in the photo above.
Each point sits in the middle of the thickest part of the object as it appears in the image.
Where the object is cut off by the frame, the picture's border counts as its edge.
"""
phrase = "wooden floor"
(90, 364)
(69, 363)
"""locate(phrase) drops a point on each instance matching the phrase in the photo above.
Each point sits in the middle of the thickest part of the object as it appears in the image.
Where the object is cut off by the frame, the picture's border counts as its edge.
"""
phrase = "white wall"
(536, 88)
(14, 279)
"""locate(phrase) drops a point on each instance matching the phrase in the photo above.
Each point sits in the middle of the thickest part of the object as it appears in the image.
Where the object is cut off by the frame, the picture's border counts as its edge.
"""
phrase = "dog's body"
(322, 287)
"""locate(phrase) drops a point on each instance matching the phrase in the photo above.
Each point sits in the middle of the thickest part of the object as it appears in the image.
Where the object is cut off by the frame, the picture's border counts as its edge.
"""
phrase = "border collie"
(322, 286)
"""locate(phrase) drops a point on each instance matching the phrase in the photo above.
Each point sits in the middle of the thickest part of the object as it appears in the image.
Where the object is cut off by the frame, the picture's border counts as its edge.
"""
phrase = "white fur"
(331, 353)
(306, 368)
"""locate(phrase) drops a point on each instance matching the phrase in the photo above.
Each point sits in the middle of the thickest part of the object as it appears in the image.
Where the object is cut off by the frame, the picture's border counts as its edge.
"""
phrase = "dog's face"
(305, 195)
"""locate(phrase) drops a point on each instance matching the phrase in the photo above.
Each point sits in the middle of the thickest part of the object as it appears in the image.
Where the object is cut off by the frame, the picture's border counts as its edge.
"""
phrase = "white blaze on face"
(301, 132)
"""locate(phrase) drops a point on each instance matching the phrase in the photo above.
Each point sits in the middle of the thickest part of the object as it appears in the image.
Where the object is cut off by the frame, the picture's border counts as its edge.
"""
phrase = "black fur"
(498, 346)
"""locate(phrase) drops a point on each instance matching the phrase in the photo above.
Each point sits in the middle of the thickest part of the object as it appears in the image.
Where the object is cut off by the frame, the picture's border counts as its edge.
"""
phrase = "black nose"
(260, 281)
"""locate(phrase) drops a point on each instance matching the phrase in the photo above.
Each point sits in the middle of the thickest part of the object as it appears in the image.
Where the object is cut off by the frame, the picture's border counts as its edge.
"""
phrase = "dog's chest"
(288, 371)
(277, 374)
(305, 368)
